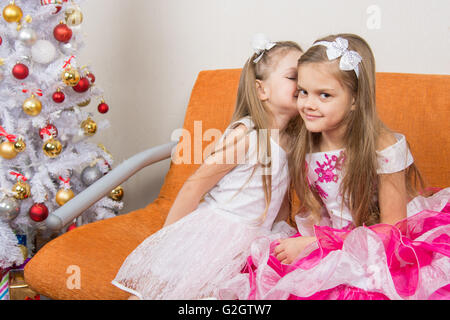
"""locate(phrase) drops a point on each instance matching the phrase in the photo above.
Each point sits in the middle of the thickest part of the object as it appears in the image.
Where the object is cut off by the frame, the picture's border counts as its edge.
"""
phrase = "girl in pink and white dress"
(364, 233)
(233, 197)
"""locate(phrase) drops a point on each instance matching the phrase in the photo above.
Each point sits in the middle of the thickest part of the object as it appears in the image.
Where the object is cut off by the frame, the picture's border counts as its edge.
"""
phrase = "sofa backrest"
(413, 104)
(418, 106)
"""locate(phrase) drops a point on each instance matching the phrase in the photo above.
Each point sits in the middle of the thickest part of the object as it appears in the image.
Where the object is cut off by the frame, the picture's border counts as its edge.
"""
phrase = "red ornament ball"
(71, 227)
(38, 212)
(91, 77)
(59, 97)
(48, 130)
(20, 71)
(62, 33)
(82, 86)
(1, 40)
(103, 108)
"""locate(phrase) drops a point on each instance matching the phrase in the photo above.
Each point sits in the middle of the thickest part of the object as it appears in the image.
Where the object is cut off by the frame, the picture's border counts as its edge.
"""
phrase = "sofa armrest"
(76, 206)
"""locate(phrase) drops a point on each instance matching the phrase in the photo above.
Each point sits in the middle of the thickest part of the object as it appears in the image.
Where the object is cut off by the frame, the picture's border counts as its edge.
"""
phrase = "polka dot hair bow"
(339, 48)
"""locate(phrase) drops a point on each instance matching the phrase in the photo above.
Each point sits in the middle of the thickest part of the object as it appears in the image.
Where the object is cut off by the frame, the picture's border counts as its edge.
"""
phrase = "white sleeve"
(394, 158)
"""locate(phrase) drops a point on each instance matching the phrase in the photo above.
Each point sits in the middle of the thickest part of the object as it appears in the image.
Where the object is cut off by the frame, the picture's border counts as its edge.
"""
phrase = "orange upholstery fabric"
(419, 107)
(416, 105)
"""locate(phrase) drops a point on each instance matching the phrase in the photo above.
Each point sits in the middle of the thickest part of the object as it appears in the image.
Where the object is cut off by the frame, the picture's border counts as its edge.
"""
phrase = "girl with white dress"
(226, 204)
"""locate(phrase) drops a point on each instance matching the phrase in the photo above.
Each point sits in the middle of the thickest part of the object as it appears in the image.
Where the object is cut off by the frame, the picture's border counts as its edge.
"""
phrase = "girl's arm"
(392, 197)
(209, 173)
(285, 209)
(289, 249)
(392, 194)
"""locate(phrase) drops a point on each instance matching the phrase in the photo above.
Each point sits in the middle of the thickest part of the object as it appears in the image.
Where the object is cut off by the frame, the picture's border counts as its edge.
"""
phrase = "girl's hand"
(290, 248)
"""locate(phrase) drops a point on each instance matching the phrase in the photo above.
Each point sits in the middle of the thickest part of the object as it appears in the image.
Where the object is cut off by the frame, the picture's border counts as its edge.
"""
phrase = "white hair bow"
(260, 43)
(339, 48)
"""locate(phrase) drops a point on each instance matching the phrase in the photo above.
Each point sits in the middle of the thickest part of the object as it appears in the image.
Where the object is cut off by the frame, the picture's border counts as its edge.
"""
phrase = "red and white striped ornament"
(33, 90)
(46, 2)
(57, 3)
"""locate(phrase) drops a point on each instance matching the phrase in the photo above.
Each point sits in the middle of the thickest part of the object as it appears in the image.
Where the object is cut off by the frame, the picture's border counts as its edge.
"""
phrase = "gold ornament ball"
(52, 148)
(70, 77)
(89, 126)
(32, 106)
(63, 196)
(12, 13)
(84, 103)
(117, 194)
(7, 150)
(74, 17)
(20, 145)
(24, 251)
(21, 190)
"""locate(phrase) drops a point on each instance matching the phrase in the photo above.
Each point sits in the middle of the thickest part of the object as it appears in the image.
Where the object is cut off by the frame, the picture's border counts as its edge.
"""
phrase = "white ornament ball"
(43, 52)
(28, 36)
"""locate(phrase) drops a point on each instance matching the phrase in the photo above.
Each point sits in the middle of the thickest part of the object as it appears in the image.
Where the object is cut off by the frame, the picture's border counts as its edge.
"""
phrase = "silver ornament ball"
(9, 209)
(28, 36)
(89, 175)
(67, 48)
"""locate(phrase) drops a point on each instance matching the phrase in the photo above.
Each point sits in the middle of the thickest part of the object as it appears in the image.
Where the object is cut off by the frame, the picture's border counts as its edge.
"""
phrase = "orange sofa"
(413, 104)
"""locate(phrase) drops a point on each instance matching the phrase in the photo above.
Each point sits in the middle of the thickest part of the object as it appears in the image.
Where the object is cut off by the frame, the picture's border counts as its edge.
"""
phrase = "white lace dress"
(193, 257)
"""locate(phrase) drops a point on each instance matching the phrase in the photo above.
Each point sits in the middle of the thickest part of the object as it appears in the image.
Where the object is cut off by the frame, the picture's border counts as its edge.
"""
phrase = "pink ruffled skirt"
(410, 260)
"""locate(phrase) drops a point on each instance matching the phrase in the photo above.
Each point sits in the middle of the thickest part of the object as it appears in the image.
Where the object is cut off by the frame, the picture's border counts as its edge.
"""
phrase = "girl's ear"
(261, 90)
(353, 107)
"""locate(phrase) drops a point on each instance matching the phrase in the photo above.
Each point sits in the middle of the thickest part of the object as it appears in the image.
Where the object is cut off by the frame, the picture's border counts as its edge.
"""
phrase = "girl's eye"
(325, 95)
(292, 78)
(302, 92)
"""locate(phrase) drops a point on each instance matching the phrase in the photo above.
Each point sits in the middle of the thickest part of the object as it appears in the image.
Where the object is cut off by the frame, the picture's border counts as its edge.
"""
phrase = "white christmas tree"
(46, 156)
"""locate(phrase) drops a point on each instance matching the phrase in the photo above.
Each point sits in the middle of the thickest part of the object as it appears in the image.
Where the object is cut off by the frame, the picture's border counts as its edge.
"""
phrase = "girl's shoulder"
(243, 123)
(393, 154)
(238, 129)
(386, 139)
(234, 141)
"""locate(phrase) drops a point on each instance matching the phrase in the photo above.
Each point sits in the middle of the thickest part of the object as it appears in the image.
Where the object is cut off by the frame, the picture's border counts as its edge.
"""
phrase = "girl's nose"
(306, 103)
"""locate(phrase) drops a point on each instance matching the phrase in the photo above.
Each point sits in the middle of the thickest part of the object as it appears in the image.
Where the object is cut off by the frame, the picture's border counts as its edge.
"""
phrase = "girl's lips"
(311, 117)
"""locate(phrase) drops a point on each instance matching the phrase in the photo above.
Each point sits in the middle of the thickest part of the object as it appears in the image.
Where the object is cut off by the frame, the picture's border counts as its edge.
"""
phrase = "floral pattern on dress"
(327, 171)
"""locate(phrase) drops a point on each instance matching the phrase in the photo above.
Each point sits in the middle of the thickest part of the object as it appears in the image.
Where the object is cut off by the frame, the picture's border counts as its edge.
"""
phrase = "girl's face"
(323, 102)
(279, 90)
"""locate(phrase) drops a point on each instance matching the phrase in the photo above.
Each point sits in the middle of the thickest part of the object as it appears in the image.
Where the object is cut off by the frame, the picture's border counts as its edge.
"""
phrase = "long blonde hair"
(359, 184)
(249, 104)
